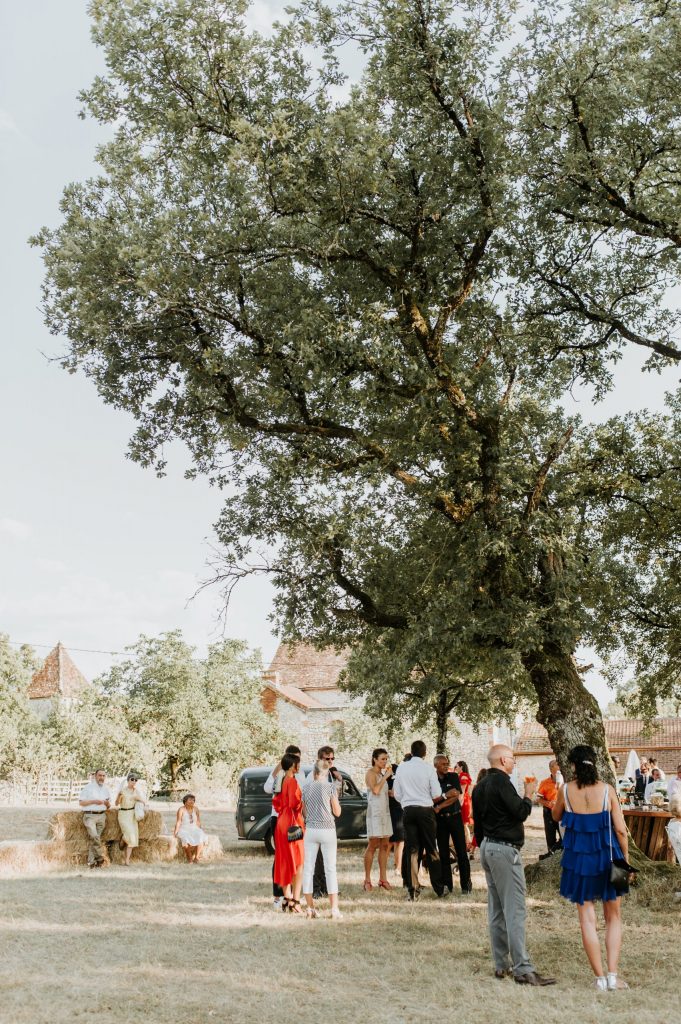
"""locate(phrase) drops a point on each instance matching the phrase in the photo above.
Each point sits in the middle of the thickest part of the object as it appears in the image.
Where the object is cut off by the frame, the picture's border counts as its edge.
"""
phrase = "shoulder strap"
(606, 798)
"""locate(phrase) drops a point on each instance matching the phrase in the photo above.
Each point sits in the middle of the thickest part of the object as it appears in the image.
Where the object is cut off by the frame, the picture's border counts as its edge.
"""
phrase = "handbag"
(619, 869)
(294, 833)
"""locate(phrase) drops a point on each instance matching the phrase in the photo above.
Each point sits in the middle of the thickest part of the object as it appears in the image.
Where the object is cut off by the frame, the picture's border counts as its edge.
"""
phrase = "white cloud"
(7, 123)
(14, 528)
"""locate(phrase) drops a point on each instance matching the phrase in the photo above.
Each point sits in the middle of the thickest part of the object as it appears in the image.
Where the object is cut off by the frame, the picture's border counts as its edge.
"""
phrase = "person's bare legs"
(297, 888)
(590, 941)
(613, 933)
(398, 850)
(383, 851)
(128, 854)
(369, 861)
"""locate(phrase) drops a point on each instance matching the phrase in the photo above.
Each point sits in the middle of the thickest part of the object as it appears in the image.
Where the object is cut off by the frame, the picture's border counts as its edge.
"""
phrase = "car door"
(352, 823)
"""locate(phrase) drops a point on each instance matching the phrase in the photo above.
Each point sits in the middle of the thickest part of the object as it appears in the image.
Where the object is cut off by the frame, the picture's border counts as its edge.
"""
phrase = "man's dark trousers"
(421, 834)
(452, 825)
(277, 890)
(551, 831)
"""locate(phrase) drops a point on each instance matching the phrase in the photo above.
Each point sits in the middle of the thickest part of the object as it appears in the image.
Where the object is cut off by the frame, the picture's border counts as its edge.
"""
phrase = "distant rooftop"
(58, 677)
(662, 738)
(305, 668)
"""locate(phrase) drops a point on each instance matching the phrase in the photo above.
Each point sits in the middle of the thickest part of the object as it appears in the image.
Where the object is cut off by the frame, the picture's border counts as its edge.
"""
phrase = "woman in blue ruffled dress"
(594, 835)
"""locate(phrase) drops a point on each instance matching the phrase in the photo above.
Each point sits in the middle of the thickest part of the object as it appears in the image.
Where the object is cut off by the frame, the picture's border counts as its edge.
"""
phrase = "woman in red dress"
(466, 803)
(289, 857)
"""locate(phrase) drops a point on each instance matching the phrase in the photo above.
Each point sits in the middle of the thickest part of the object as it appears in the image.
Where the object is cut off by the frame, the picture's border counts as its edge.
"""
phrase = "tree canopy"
(361, 306)
(194, 711)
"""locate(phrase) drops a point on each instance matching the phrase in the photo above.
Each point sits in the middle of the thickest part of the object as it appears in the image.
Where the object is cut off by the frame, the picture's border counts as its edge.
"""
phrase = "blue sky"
(95, 550)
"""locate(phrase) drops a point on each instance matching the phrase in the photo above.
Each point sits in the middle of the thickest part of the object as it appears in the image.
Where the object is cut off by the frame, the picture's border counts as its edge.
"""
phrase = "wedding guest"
(474, 843)
(397, 819)
(653, 765)
(320, 809)
(95, 799)
(127, 818)
(188, 828)
(594, 835)
(498, 815)
(416, 787)
(461, 769)
(642, 779)
(655, 785)
(289, 855)
(326, 753)
(450, 826)
(379, 822)
(546, 796)
(271, 787)
(674, 785)
(674, 827)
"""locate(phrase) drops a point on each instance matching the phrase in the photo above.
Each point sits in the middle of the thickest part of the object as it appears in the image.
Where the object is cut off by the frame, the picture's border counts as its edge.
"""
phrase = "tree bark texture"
(566, 709)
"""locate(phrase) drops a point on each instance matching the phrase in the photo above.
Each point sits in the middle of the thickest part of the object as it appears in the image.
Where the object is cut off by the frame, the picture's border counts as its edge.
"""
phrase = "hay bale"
(68, 827)
(24, 856)
(211, 850)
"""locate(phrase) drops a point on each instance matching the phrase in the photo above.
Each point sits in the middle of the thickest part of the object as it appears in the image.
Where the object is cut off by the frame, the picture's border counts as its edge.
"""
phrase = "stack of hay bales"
(67, 844)
(67, 831)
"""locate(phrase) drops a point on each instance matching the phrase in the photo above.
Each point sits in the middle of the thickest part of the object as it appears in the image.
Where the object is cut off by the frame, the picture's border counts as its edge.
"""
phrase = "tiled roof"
(662, 738)
(58, 677)
(306, 668)
(291, 693)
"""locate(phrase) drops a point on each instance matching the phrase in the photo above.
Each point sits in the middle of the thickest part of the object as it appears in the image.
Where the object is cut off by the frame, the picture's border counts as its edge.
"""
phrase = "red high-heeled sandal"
(384, 885)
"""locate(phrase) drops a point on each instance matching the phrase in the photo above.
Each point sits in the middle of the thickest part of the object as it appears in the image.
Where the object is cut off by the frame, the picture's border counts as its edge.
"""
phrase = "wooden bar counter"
(649, 831)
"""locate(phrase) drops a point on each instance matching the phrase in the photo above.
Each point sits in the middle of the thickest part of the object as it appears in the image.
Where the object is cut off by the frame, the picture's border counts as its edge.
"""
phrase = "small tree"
(198, 711)
(22, 743)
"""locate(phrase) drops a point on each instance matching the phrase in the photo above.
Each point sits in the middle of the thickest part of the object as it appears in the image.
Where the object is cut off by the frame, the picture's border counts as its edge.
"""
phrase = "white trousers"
(324, 839)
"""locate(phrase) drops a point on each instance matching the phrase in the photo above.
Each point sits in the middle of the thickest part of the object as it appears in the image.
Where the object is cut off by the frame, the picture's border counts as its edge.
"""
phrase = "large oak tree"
(361, 309)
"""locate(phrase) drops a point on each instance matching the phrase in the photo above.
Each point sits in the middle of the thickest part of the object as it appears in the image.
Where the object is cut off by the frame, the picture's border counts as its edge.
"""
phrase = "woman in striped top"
(320, 807)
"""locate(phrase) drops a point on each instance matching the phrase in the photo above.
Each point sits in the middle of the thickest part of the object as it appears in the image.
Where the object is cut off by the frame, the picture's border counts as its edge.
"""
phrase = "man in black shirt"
(498, 815)
(449, 824)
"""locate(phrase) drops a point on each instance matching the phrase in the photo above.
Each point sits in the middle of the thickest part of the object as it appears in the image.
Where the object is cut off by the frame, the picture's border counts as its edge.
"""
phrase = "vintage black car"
(254, 808)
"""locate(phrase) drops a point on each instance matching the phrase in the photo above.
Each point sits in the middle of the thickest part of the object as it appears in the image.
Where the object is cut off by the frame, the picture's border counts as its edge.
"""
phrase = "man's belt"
(85, 811)
(504, 842)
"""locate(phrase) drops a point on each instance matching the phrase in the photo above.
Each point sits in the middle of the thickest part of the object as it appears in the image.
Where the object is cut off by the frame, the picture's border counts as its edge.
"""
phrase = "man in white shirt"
(674, 785)
(95, 799)
(416, 786)
(656, 783)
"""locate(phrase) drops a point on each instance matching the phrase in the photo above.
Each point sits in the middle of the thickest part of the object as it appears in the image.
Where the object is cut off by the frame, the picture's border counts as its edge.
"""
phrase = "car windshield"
(252, 785)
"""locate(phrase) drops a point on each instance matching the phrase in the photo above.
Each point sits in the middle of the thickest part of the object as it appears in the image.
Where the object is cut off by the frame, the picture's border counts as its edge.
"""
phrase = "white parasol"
(632, 765)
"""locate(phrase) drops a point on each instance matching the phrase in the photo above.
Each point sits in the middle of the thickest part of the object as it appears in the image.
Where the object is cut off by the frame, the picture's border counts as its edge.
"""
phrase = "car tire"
(269, 843)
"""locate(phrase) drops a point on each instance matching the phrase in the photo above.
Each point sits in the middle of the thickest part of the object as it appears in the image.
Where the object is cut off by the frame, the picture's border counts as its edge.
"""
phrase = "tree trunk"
(441, 721)
(568, 712)
(174, 769)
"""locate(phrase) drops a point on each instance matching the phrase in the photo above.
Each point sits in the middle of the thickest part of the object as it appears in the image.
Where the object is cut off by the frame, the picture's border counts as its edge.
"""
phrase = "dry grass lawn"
(152, 944)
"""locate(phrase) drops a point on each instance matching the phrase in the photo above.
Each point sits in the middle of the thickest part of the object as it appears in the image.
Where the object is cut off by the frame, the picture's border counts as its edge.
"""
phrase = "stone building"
(662, 740)
(301, 689)
(58, 683)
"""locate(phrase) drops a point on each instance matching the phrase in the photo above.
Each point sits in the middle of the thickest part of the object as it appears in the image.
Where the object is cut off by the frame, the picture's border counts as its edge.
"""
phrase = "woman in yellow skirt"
(127, 820)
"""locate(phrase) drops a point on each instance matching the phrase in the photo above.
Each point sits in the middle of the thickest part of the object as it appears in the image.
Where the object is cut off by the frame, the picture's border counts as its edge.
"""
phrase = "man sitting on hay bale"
(95, 799)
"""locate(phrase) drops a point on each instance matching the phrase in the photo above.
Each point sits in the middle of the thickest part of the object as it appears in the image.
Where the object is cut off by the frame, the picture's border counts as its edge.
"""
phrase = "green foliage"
(20, 734)
(96, 733)
(188, 711)
(361, 310)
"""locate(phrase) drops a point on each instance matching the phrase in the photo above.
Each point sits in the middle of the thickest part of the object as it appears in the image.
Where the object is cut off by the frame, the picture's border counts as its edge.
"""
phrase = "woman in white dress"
(379, 824)
(129, 795)
(188, 828)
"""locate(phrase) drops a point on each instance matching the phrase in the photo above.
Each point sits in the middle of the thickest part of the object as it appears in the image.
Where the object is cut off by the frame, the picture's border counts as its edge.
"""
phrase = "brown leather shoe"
(503, 974)
(532, 978)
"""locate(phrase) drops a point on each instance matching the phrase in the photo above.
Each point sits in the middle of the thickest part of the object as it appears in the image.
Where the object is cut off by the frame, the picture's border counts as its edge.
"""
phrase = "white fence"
(45, 788)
